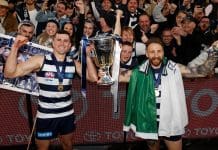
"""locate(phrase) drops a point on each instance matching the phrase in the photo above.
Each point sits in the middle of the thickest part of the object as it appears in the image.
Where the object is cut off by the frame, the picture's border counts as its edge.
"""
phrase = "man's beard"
(156, 62)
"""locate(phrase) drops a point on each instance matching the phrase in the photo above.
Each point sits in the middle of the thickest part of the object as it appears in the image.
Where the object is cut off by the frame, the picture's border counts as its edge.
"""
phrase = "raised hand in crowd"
(117, 27)
(154, 28)
(176, 34)
(144, 38)
(119, 13)
(186, 3)
(44, 6)
(173, 8)
(198, 12)
(80, 5)
(179, 30)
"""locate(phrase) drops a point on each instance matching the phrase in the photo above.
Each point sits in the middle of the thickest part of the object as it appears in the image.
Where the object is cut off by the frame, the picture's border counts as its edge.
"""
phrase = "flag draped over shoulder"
(140, 99)
(140, 115)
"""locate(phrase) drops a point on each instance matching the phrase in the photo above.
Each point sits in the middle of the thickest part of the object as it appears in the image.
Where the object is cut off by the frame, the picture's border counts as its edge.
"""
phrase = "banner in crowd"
(26, 84)
(96, 123)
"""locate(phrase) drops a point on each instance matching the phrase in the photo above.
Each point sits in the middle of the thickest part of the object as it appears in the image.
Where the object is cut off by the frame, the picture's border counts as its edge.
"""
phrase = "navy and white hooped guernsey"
(52, 102)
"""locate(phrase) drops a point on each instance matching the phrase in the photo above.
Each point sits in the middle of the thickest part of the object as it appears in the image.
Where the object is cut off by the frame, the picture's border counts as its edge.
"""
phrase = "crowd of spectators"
(184, 26)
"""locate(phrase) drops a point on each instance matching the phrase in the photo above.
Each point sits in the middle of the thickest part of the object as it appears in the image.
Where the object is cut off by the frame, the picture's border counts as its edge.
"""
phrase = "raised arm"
(14, 69)
(117, 27)
(95, 10)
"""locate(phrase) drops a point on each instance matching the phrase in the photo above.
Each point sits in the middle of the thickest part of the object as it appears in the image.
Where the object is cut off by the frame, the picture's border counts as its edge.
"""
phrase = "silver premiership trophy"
(103, 56)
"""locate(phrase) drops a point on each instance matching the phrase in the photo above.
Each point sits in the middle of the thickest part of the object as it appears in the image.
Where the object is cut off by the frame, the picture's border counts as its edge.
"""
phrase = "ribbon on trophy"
(26, 84)
(115, 73)
(84, 43)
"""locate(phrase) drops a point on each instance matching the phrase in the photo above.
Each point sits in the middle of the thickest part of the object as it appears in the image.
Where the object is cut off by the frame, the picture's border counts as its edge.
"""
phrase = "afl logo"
(49, 75)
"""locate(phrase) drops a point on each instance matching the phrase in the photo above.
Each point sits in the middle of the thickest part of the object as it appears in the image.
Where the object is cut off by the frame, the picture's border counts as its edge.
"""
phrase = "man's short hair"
(189, 19)
(127, 43)
(62, 32)
(156, 40)
(90, 21)
(26, 23)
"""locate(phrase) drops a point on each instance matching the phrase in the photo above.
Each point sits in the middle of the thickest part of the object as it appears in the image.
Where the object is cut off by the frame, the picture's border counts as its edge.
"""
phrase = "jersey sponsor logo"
(49, 75)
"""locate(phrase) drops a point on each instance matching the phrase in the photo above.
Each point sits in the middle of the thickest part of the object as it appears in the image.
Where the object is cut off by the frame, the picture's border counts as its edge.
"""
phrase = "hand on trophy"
(101, 74)
(103, 77)
(89, 49)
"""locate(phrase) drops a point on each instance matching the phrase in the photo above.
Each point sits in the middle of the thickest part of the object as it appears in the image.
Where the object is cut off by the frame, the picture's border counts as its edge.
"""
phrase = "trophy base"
(106, 80)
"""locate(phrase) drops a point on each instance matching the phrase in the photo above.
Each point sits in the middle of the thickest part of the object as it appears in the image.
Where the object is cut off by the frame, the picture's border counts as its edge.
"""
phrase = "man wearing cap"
(7, 20)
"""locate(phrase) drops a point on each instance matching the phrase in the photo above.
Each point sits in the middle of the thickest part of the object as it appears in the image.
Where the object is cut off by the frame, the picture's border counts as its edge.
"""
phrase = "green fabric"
(141, 104)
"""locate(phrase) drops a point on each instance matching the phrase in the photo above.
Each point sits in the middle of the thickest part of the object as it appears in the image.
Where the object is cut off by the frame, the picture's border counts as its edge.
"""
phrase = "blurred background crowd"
(184, 26)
